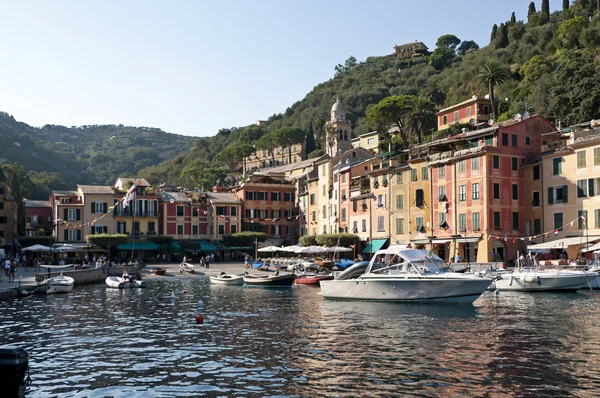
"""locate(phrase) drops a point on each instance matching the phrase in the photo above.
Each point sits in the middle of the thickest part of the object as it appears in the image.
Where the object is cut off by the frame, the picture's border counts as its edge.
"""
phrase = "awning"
(374, 245)
(563, 243)
(441, 241)
(473, 239)
(220, 246)
(199, 246)
(591, 248)
(241, 248)
(205, 246)
(419, 241)
(139, 246)
(363, 196)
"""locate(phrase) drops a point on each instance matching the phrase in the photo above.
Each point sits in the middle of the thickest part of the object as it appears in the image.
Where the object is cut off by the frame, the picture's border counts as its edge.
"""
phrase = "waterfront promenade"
(25, 279)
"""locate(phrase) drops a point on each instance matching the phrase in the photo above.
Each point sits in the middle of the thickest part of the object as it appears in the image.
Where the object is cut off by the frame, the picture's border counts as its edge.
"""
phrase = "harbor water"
(97, 342)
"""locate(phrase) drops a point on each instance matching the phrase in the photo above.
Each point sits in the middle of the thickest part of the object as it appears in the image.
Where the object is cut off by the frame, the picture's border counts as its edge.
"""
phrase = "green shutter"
(78, 234)
(78, 216)
(591, 187)
(550, 195)
(66, 235)
(66, 217)
(565, 194)
(93, 207)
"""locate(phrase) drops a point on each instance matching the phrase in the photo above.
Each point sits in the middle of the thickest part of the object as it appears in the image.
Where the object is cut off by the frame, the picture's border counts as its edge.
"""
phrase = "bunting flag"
(130, 195)
(547, 233)
(555, 232)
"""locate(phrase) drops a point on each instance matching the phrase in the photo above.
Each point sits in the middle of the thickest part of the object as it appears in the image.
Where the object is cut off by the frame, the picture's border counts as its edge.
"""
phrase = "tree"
(419, 116)
(448, 41)
(516, 31)
(347, 67)
(532, 15)
(494, 33)
(445, 51)
(230, 157)
(569, 31)
(21, 186)
(565, 5)
(434, 91)
(502, 36)
(388, 112)
(288, 136)
(245, 150)
(329, 139)
(310, 139)
(107, 241)
(493, 73)
(268, 142)
(466, 46)
(513, 18)
(545, 14)
(531, 9)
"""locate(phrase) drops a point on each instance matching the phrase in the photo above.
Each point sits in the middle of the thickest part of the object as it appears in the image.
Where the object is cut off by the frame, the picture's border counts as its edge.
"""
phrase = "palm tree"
(433, 90)
(420, 115)
(493, 73)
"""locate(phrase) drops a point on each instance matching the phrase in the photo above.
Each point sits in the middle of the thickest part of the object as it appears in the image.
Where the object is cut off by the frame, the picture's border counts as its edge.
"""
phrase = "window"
(504, 139)
(536, 199)
(419, 198)
(442, 193)
(313, 216)
(194, 230)
(221, 210)
(179, 210)
(496, 161)
(462, 193)
(476, 222)
(496, 190)
(288, 197)
(489, 141)
(313, 200)
(475, 190)
(151, 227)
(445, 118)
(399, 201)
(233, 211)
(456, 116)
(515, 164)
(354, 205)
(581, 159)
(515, 219)
(558, 221)
(380, 224)
(1, 190)
(364, 225)
(221, 229)
(557, 166)
(413, 174)
(72, 234)
(581, 219)
(462, 222)
(261, 196)
(250, 195)
(343, 214)
(527, 140)
(324, 211)
(276, 213)
(558, 194)
(354, 227)
(536, 172)
(513, 138)
(537, 226)
(582, 187)
(424, 173)
(381, 200)
(461, 166)
(99, 230)
(180, 230)
(442, 172)
(515, 191)
(443, 223)
(496, 220)
(399, 178)
(1, 205)
(276, 196)
(597, 218)
(420, 224)
(195, 211)
(475, 164)
(73, 214)
(99, 207)
(399, 226)
(596, 157)
(324, 190)
(468, 111)
(343, 194)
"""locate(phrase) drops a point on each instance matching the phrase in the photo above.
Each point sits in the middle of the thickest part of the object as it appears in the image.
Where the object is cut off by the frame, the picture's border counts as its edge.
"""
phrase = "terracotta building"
(474, 111)
(8, 217)
(38, 217)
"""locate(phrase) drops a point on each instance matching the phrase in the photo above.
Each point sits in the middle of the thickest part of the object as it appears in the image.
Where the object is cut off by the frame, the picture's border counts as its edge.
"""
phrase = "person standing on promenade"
(12, 270)
(246, 262)
(7, 266)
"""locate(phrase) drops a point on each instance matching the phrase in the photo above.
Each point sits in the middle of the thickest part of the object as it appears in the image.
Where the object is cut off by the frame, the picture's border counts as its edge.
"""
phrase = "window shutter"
(565, 194)
(66, 235)
(93, 207)
(66, 217)
(105, 229)
(104, 207)
(550, 195)
(78, 234)
(591, 187)
(78, 215)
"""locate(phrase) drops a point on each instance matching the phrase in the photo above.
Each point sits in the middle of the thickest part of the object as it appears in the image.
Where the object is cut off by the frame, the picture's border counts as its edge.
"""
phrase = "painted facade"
(408, 49)
(474, 111)
(38, 217)
(8, 216)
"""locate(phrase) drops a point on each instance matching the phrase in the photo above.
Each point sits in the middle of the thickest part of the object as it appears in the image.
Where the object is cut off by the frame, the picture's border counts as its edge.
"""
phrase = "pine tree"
(502, 36)
(565, 5)
(545, 17)
(494, 33)
(513, 18)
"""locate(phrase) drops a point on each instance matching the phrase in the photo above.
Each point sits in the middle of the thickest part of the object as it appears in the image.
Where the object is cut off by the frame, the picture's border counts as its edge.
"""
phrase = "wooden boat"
(158, 271)
(57, 284)
(324, 263)
(273, 280)
(124, 282)
(186, 267)
(312, 279)
(225, 279)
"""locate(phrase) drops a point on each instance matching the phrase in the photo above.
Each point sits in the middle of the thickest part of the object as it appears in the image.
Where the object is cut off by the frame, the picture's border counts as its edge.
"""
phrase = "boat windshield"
(407, 261)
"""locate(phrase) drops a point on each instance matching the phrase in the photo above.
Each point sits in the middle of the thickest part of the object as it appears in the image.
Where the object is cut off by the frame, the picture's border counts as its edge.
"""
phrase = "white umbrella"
(311, 250)
(291, 249)
(338, 249)
(37, 248)
(269, 249)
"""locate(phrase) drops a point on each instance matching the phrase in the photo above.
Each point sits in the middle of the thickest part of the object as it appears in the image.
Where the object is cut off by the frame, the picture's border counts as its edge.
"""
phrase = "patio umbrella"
(37, 248)
(338, 249)
(269, 249)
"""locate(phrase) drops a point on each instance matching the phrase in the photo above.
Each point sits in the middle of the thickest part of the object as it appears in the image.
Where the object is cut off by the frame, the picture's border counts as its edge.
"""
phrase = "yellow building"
(96, 218)
(408, 49)
(399, 196)
(369, 141)
(67, 207)
(419, 198)
(474, 111)
(140, 217)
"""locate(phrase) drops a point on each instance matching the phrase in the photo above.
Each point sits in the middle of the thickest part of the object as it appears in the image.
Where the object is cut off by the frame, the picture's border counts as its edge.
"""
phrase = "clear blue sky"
(193, 67)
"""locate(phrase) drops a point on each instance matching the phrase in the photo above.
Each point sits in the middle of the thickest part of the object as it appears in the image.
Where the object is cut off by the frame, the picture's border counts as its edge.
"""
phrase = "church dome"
(338, 106)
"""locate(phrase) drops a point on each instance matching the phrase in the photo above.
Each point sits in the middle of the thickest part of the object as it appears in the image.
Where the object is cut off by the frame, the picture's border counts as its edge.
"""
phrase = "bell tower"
(338, 131)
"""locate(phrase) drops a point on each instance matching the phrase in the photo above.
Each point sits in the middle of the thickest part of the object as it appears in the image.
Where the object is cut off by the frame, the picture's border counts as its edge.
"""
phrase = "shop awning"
(139, 246)
(563, 243)
(374, 245)
(473, 239)
(441, 241)
(419, 241)
(220, 246)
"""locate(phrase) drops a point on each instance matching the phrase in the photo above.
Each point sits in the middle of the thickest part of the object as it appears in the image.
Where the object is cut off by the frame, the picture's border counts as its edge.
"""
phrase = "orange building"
(474, 111)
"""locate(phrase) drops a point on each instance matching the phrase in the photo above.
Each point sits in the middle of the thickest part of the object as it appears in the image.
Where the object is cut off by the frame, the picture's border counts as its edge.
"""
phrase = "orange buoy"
(199, 318)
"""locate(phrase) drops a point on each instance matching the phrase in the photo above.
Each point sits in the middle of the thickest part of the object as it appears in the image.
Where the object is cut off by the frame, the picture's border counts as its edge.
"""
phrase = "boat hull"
(312, 279)
(454, 290)
(159, 271)
(58, 284)
(269, 281)
(227, 280)
(119, 283)
(545, 281)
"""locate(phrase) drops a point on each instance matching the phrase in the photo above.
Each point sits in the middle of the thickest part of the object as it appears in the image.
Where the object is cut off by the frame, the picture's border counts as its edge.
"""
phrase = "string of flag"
(544, 234)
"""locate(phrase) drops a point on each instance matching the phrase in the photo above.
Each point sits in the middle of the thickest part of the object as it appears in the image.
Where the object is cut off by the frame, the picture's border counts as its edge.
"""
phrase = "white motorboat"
(57, 284)
(407, 275)
(226, 279)
(528, 278)
(186, 267)
(272, 280)
(124, 282)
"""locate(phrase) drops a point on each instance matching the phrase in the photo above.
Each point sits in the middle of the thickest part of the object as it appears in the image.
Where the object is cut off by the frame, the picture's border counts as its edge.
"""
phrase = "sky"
(194, 67)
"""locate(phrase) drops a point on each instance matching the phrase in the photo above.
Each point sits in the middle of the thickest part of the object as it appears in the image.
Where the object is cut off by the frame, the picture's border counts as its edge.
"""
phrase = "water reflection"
(98, 342)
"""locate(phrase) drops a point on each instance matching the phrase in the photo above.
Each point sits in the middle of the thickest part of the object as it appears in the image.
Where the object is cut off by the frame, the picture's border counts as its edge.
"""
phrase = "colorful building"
(8, 217)
(408, 49)
(67, 208)
(474, 111)
(38, 217)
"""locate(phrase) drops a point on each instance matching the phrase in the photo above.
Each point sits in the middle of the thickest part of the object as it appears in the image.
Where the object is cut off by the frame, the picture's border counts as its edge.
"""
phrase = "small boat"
(324, 263)
(57, 284)
(273, 280)
(312, 279)
(158, 271)
(186, 267)
(226, 279)
(124, 282)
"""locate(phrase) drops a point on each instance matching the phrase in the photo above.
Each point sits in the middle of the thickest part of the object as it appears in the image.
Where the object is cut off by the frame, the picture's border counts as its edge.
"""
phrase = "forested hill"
(58, 157)
(544, 63)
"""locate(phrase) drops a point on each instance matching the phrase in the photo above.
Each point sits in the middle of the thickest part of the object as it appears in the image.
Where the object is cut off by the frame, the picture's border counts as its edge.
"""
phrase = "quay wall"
(86, 276)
